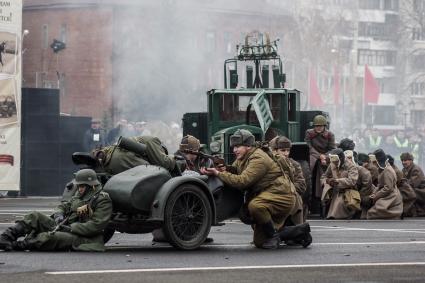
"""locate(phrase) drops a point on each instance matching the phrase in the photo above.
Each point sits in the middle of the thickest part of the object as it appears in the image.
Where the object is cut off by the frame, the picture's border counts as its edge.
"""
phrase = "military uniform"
(387, 201)
(319, 143)
(116, 159)
(416, 179)
(407, 193)
(269, 193)
(365, 187)
(84, 217)
(345, 176)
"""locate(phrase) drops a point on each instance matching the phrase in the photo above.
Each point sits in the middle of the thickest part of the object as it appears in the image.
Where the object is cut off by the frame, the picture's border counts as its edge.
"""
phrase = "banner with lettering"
(10, 93)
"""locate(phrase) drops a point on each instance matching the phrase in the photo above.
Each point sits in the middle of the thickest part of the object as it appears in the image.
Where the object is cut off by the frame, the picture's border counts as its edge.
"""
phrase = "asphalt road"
(342, 251)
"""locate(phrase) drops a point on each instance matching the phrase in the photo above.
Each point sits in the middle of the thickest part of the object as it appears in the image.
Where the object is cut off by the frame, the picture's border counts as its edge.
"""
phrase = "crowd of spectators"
(393, 142)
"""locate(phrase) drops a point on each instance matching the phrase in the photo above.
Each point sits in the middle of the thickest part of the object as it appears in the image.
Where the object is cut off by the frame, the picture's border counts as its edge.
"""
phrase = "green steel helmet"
(319, 120)
(86, 177)
(242, 137)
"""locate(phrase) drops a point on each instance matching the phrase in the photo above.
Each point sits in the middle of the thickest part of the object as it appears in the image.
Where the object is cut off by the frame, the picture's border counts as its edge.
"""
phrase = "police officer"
(270, 195)
(76, 224)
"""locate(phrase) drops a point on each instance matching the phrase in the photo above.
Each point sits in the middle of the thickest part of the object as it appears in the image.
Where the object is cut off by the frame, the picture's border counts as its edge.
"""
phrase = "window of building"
(418, 5)
(63, 33)
(391, 5)
(380, 115)
(376, 57)
(417, 89)
(45, 36)
(369, 4)
(376, 30)
(418, 34)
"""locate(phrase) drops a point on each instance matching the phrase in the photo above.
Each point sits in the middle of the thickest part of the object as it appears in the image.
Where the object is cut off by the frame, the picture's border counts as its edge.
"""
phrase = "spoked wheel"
(187, 217)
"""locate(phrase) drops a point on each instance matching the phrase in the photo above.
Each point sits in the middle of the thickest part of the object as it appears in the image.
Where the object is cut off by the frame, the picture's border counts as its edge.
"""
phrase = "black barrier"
(48, 140)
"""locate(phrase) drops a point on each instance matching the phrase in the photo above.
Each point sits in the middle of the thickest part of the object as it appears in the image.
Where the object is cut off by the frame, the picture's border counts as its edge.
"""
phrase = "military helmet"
(190, 143)
(319, 120)
(242, 137)
(86, 177)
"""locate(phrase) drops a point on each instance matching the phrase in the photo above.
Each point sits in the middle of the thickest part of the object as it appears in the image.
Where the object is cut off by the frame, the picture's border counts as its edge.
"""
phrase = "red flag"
(336, 86)
(315, 99)
(371, 87)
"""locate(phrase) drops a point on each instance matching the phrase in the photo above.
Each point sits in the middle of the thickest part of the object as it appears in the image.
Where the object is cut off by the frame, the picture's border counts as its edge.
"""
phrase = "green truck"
(254, 97)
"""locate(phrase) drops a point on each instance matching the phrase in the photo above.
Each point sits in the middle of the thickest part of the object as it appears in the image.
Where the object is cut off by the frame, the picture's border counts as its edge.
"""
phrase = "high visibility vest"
(374, 143)
(405, 144)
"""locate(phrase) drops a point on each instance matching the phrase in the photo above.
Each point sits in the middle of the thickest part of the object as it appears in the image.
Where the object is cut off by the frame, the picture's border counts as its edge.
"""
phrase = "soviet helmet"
(242, 137)
(319, 120)
(86, 177)
(190, 143)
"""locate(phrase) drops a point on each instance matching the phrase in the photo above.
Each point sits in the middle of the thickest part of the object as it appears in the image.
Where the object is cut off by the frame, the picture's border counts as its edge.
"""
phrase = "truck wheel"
(187, 217)
(107, 234)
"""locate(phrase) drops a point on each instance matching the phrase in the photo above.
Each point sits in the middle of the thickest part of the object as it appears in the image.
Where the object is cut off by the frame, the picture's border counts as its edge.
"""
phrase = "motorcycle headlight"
(215, 146)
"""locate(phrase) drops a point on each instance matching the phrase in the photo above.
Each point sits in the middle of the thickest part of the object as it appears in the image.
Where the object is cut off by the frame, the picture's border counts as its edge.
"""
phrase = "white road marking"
(180, 269)
(341, 228)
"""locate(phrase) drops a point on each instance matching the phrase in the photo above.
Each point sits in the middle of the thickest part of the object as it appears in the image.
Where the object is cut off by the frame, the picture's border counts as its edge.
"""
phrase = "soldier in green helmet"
(75, 225)
(320, 141)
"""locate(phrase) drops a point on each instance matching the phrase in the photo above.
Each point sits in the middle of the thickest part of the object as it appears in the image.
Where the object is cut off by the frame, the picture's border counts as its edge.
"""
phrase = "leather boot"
(273, 239)
(299, 234)
(12, 234)
(20, 245)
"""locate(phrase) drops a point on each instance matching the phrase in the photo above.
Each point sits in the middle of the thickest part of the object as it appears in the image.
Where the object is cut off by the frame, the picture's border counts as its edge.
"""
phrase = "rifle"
(60, 224)
(217, 160)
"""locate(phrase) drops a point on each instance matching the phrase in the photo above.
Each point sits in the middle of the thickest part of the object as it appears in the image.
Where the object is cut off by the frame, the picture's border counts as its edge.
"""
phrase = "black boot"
(12, 234)
(299, 234)
(20, 245)
(273, 239)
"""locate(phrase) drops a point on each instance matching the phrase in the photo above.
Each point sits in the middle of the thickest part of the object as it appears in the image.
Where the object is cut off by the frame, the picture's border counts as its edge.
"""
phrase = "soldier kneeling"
(76, 224)
(270, 194)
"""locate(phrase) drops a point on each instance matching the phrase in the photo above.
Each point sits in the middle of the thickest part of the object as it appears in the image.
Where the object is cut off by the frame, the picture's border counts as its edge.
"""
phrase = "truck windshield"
(233, 107)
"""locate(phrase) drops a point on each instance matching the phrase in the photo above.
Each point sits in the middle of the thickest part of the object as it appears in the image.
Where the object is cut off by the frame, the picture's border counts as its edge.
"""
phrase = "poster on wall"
(10, 94)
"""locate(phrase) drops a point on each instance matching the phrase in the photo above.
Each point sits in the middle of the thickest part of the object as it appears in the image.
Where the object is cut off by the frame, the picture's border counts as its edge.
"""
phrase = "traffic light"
(57, 45)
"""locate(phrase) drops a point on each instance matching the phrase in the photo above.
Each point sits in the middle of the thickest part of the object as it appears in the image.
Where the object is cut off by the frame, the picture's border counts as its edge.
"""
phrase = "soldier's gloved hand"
(65, 228)
(58, 217)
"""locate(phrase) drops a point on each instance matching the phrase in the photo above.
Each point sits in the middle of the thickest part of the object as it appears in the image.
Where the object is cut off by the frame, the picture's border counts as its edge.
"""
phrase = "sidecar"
(148, 197)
